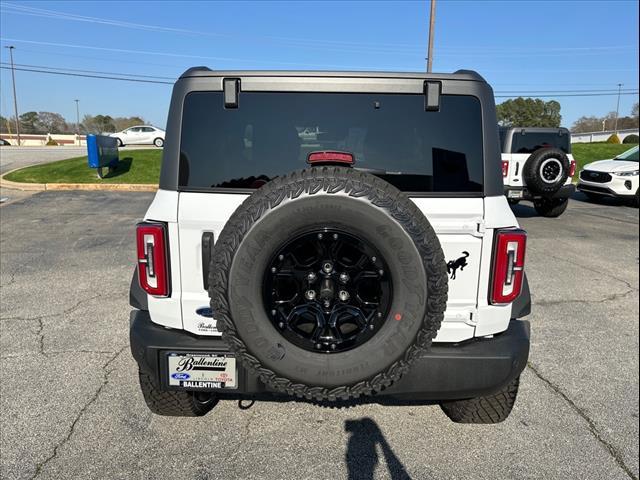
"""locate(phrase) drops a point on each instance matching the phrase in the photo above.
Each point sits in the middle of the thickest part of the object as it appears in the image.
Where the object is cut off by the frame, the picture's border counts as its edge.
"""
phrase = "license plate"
(514, 194)
(202, 370)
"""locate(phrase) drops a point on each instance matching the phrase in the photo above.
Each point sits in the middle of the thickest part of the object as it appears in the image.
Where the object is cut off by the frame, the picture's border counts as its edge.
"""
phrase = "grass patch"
(590, 152)
(135, 166)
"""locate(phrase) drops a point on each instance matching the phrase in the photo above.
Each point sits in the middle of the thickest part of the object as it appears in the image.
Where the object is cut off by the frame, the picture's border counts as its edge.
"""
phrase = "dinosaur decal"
(459, 263)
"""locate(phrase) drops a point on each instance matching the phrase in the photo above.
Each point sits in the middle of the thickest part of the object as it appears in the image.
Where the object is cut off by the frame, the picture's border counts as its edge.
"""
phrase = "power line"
(357, 47)
(123, 77)
(139, 80)
(90, 71)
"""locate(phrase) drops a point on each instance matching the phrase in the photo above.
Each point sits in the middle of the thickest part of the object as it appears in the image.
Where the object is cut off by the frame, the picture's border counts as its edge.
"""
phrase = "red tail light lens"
(505, 168)
(153, 258)
(572, 168)
(331, 157)
(508, 266)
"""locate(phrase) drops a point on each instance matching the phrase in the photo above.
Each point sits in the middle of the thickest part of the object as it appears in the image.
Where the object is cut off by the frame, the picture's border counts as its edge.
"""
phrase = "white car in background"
(617, 177)
(140, 135)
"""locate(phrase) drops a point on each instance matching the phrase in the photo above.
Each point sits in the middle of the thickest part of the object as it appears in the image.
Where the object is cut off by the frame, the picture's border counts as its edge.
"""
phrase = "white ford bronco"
(537, 165)
(331, 237)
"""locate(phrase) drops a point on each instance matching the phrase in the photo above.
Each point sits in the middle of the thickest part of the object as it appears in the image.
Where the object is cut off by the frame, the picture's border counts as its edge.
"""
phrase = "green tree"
(98, 124)
(634, 110)
(120, 123)
(29, 122)
(529, 112)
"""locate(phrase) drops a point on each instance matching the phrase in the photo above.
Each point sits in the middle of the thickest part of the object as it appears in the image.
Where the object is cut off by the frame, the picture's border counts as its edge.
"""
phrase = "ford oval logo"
(180, 376)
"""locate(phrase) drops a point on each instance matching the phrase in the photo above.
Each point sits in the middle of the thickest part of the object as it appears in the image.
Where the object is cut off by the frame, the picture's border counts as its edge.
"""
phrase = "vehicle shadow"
(604, 200)
(123, 166)
(362, 453)
(524, 210)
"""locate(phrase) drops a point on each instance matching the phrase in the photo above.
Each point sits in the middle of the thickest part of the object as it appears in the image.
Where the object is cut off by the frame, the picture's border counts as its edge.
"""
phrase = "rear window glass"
(529, 142)
(390, 135)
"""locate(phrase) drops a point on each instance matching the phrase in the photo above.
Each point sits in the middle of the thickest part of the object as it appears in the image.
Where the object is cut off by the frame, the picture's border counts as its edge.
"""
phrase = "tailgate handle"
(207, 251)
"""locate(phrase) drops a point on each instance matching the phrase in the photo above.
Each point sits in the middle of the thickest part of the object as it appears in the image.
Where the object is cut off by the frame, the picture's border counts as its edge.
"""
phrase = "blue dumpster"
(102, 151)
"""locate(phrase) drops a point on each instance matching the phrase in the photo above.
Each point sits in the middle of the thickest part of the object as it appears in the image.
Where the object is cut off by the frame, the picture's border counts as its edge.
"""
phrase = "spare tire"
(546, 170)
(370, 257)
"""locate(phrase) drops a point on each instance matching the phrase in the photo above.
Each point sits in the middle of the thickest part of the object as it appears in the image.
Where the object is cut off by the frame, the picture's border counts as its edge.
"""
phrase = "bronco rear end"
(331, 237)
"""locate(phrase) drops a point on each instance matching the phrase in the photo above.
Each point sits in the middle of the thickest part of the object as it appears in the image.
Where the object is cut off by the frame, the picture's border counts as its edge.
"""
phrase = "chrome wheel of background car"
(327, 291)
(551, 170)
(158, 142)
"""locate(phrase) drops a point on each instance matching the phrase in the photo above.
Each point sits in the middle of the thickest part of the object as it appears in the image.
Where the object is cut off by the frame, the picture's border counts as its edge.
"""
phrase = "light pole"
(432, 21)
(15, 100)
(77, 116)
(615, 128)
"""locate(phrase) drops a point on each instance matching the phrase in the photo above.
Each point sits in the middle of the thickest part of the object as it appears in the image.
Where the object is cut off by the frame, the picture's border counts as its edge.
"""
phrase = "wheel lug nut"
(311, 294)
(344, 278)
(273, 312)
(311, 277)
(319, 236)
(373, 259)
(280, 257)
(335, 236)
(333, 346)
(327, 267)
(379, 314)
(274, 269)
(381, 272)
(343, 295)
(318, 346)
(371, 327)
(281, 325)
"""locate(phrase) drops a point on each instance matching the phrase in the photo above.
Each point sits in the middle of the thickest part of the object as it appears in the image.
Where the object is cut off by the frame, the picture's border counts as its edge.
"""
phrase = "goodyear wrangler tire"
(293, 215)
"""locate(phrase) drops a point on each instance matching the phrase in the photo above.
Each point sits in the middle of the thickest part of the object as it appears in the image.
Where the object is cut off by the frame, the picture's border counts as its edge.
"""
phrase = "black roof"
(207, 72)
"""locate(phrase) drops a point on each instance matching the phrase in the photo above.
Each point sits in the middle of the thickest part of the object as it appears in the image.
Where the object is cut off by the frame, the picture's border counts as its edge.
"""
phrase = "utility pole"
(615, 128)
(432, 21)
(15, 100)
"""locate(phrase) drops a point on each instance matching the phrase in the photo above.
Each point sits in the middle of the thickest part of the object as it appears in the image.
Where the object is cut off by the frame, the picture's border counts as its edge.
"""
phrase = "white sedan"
(617, 177)
(140, 135)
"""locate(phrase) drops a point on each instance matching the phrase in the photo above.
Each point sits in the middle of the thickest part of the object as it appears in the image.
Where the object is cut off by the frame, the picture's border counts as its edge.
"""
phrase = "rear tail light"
(505, 168)
(508, 266)
(572, 168)
(153, 258)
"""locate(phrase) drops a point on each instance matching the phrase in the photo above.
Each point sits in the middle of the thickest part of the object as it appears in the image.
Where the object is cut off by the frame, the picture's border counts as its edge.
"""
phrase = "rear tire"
(158, 142)
(175, 403)
(483, 410)
(551, 207)
(120, 144)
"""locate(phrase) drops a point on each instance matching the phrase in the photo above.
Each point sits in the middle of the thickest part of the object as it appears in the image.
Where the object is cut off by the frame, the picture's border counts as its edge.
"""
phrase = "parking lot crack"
(607, 298)
(613, 451)
(92, 400)
(599, 272)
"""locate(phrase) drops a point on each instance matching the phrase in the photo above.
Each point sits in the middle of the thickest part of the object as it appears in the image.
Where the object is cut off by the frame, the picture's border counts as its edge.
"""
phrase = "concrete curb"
(38, 187)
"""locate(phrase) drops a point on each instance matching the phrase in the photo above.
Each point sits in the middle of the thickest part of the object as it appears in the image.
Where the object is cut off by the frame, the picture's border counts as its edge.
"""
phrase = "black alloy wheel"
(327, 290)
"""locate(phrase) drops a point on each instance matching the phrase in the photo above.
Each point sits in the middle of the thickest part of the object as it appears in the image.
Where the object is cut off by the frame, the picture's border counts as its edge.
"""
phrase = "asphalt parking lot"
(71, 406)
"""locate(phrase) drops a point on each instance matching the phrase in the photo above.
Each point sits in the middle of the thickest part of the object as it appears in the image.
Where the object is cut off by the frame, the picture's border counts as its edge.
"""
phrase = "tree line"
(51, 122)
(533, 112)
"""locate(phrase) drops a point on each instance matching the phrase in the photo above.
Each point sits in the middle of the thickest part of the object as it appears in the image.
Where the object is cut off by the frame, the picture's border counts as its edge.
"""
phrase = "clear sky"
(519, 47)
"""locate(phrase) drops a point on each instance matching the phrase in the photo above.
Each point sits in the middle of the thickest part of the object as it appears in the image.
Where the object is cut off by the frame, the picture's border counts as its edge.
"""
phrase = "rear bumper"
(446, 372)
(522, 193)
